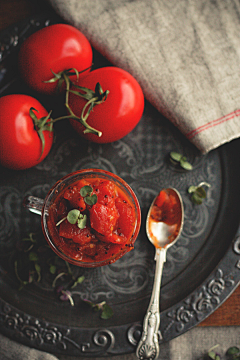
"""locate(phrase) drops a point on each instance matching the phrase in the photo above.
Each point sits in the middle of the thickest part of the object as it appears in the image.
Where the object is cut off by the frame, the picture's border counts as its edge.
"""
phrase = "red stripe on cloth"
(213, 123)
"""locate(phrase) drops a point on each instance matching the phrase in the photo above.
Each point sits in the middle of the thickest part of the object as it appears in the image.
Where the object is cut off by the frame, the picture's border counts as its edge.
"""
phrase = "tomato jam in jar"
(94, 218)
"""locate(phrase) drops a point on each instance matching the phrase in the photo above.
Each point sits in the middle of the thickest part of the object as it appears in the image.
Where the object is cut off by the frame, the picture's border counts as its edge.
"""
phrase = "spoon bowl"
(165, 218)
(163, 227)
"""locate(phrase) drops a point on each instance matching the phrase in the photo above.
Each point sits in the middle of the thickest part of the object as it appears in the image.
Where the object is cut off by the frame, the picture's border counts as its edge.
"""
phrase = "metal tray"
(201, 271)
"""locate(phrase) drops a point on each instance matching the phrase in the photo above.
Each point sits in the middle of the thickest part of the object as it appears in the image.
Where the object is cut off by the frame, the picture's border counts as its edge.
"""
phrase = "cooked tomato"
(105, 191)
(126, 218)
(72, 194)
(72, 231)
(103, 218)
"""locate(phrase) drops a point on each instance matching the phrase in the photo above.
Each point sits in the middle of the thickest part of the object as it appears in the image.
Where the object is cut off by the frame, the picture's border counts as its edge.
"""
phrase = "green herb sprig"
(198, 192)
(212, 354)
(105, 309)
(233, 353)
(87, 193)
(74, 216)
(33, 258)
(179, 159)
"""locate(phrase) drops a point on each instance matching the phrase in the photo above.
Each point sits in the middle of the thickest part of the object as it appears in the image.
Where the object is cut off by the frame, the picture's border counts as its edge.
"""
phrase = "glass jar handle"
(33, 204)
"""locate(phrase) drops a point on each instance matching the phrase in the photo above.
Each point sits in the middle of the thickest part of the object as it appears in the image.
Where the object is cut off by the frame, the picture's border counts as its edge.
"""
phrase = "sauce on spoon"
(164, 218)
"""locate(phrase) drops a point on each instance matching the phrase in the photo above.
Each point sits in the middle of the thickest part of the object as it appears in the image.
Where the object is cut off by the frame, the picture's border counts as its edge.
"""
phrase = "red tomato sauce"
(110, 222)
(166, 209)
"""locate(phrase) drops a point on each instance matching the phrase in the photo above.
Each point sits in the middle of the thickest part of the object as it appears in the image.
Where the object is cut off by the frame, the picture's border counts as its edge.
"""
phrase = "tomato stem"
(40, 125)
(93, 98)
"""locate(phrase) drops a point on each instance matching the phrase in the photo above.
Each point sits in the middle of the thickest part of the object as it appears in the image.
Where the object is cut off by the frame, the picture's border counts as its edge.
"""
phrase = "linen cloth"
(193, 345)
(185, 55)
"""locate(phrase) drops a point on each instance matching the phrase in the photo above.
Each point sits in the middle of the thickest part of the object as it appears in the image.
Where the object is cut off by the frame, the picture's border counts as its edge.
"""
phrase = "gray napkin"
(11, 350)
(185, 55)
(193, 345)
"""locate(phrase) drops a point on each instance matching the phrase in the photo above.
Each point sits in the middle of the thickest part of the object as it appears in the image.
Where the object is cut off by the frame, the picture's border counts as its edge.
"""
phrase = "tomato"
(20, 144)
(119, 113)
(57, 47)
(69, 231)
(106, 192)
(103, 218)
(162, 198)
(126, 218)
(75, 199)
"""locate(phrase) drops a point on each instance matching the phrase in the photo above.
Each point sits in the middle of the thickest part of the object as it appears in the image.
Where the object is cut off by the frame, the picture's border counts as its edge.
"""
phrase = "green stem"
(82, 120)
(68, 267)
(58, 277)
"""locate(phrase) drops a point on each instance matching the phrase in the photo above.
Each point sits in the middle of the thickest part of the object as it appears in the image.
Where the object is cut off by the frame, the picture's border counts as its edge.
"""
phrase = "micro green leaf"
(33, 256)
(86, 190)
(198, 192)
(107, 312)
(38, 270)
(53, 269)
(192, 189)
(177, 158)
(185, 164)
(213, 355)
(81, 222)
(91, 200)
(73, 216)
(79, 280)
(233, 351)
(86, 193)
(196, 199)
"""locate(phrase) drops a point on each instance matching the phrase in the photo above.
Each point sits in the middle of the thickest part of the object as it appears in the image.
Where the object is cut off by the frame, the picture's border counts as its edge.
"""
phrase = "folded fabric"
(192, 345)
(185, 55)
(11, 350)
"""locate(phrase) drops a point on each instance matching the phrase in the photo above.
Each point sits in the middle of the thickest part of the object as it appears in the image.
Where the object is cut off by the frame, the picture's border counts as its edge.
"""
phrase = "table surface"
(12, 11)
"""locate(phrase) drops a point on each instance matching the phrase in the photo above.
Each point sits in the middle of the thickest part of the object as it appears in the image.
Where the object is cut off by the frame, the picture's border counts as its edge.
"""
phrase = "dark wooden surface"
(12, 11)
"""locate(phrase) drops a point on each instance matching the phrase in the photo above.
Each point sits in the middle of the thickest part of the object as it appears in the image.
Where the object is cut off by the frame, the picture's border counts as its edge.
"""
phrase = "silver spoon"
(163, 234)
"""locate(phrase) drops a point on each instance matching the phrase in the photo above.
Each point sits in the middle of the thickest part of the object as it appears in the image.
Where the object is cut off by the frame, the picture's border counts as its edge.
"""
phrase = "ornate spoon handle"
(148, 347)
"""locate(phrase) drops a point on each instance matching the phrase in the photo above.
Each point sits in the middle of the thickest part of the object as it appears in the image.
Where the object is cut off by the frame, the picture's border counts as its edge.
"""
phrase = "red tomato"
(103, 218)
(120, 112)
(162, 198)
(72, 231)
(126, 221)
(75, 199)
(20, 144)
(106, 192)
(57, 47)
